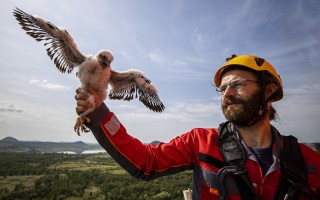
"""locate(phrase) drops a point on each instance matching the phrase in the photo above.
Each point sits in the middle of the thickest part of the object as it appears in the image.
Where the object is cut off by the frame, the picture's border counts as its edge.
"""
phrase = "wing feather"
(60, 45)
(132, 84)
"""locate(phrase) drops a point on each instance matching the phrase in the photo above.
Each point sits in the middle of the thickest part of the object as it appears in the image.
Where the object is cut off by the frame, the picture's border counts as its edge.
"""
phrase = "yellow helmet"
(253, 62)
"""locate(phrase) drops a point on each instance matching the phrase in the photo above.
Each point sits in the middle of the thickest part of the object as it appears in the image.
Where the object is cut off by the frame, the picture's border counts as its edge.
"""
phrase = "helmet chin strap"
(262, 109)
(263, 104)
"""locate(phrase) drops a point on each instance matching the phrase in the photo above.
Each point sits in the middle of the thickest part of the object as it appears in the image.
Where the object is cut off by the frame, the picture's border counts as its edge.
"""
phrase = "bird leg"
(82, 119)
(79, 126)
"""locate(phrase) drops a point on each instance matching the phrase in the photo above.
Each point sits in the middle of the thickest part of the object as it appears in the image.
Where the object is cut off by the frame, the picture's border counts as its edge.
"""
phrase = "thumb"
(91, 90)
(97, 98)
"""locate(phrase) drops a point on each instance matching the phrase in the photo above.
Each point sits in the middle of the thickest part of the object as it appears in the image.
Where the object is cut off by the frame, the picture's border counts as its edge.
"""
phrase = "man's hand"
(87, 101)
(83, 102)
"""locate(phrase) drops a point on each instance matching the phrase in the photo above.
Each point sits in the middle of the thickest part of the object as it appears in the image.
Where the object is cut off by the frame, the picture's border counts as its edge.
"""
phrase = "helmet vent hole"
(259, 61)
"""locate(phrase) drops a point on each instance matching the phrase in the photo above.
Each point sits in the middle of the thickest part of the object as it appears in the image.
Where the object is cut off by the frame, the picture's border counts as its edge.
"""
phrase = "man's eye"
(237, 85)
(223, 88)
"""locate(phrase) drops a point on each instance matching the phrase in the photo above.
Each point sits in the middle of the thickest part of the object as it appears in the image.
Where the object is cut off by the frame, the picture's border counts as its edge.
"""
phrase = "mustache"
(231, 100)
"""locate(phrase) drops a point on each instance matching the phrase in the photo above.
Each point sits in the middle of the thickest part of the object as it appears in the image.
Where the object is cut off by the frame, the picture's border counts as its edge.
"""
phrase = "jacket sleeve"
(141, 160)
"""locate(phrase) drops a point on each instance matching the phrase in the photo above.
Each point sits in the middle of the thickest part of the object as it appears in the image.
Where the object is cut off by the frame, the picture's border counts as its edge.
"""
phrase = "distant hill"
(9, 139)
(11, 144)
(155, 142)
(80, 143)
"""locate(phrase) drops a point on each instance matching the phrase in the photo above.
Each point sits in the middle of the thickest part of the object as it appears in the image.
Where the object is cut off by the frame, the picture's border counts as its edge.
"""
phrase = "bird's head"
(105, 58)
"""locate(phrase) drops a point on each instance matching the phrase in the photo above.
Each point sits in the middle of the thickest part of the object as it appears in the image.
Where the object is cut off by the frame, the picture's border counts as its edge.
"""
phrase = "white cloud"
(156, 56)
(180, 62)
(10, 108)
(10, 111)
(299, 112)
(313, 90)
(50, 86)
(178, 111)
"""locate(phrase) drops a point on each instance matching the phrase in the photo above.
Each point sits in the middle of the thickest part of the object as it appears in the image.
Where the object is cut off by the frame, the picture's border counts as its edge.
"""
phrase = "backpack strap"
(294, 180)
(234, 155)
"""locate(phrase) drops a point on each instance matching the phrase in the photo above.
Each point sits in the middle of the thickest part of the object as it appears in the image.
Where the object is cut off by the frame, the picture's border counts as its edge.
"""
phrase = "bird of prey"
(95, 71)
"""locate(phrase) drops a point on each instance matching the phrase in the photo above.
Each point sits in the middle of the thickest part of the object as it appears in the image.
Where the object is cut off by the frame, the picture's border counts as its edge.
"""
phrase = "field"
(73, 177)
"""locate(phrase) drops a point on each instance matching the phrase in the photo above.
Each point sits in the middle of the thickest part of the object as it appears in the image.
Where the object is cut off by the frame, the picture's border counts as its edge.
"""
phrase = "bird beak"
(105, 61)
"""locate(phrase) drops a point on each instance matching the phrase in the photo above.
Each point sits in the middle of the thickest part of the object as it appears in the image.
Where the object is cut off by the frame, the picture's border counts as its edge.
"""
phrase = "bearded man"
(245, 158)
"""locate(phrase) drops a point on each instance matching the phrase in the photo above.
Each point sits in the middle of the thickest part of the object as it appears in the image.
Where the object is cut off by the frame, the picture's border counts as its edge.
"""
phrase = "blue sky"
(178, 44)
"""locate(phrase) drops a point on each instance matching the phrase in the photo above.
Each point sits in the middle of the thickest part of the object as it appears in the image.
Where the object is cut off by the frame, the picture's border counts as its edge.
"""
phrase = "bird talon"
(79, 125)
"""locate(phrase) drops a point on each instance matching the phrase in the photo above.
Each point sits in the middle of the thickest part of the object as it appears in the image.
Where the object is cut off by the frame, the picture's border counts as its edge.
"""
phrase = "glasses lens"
(218, 90)
(235, 86)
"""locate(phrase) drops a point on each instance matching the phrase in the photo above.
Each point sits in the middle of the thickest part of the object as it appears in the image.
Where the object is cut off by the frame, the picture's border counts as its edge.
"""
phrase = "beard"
(243, 111)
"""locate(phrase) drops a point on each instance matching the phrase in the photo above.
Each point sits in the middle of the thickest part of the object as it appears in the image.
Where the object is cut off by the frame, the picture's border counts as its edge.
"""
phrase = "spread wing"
(132, 84)
(61, 47)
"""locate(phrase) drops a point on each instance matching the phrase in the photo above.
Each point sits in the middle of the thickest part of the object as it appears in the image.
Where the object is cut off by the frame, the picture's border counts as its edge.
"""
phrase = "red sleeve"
(145, 161)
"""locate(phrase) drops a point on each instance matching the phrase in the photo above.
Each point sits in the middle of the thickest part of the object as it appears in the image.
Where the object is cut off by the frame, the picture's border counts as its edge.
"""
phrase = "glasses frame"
(235, 85)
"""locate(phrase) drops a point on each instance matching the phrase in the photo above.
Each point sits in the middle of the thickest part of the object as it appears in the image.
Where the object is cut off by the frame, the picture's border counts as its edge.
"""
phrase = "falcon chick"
(95, 71)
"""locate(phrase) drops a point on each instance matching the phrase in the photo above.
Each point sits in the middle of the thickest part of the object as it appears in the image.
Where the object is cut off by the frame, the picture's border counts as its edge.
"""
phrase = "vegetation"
(86, 176)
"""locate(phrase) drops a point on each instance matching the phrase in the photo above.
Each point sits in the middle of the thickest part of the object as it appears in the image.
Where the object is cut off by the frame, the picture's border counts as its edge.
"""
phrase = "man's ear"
(270, 90)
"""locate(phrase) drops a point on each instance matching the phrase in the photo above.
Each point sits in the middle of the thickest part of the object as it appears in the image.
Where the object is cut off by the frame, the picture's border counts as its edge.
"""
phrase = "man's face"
(241, 97)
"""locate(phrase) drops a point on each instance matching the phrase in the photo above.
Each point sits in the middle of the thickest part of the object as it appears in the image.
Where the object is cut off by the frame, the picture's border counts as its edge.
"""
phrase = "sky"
(178, 44)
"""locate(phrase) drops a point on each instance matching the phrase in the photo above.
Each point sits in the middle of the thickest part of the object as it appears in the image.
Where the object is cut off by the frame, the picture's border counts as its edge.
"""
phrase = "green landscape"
(39, 175)
(85, 176)
(38, 170)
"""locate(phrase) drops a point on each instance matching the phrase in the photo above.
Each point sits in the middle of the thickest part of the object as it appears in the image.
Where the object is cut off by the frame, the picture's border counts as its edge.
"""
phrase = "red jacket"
(195, 150)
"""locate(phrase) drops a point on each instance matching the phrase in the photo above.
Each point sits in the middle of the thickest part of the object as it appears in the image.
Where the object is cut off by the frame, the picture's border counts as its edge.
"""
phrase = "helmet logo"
(259, 61)
(232, 56)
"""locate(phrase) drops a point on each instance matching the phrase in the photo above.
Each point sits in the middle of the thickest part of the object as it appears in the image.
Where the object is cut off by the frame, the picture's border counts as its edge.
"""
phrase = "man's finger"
(80, 109)
(81, 96)
(80, 90)
(84, 104)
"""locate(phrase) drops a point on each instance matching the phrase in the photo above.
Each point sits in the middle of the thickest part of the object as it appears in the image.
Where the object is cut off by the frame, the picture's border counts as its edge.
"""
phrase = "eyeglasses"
(235, 85)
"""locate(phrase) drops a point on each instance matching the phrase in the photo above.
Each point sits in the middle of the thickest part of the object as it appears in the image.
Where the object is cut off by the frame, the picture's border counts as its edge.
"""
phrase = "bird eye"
(103, 58)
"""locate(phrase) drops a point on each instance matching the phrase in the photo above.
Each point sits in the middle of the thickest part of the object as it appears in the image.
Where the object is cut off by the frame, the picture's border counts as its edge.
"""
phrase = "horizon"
(178, 45)
(94, 142)
(10, 137)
